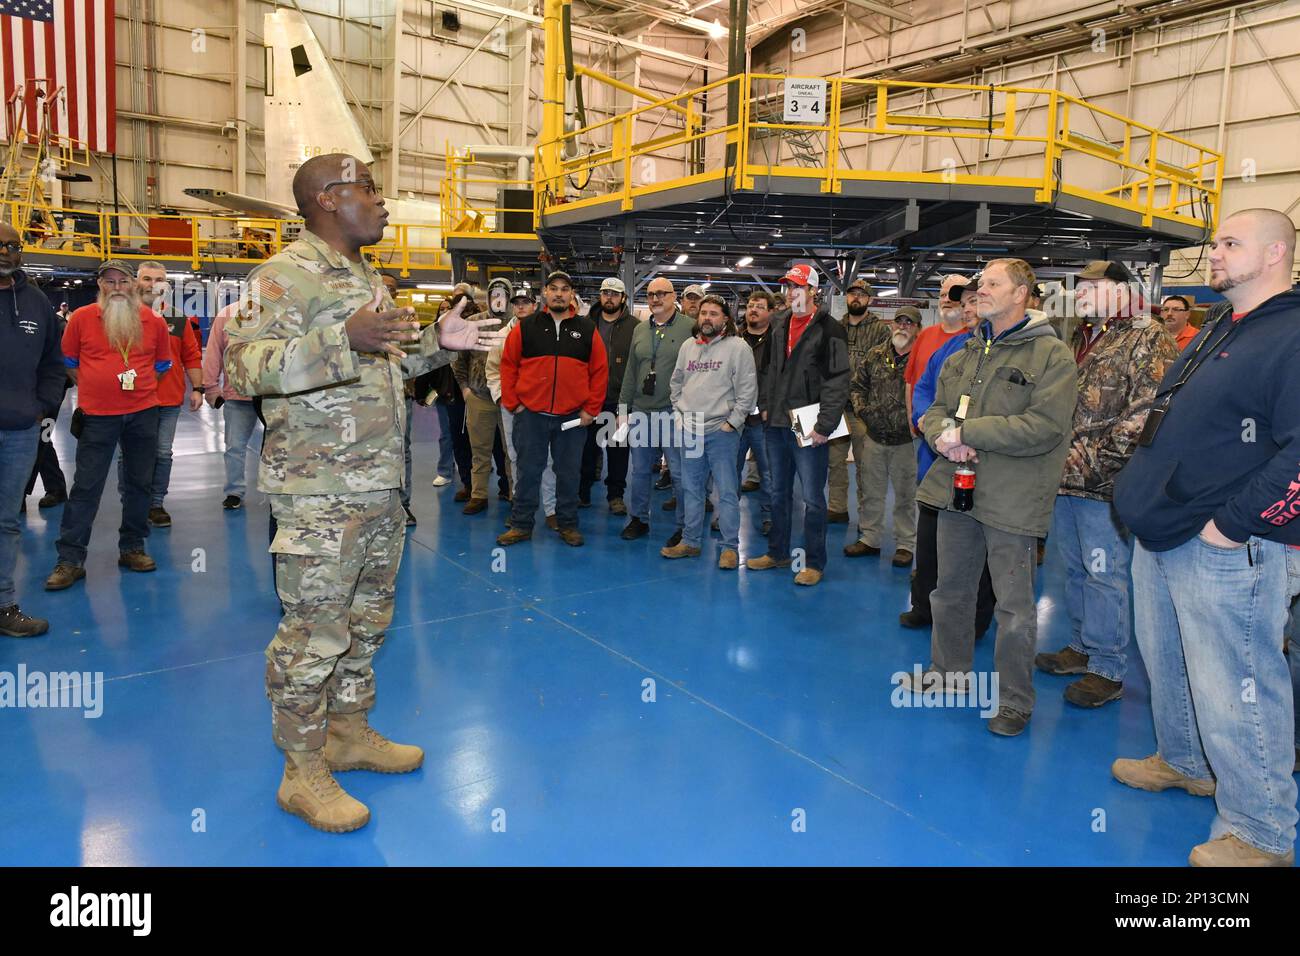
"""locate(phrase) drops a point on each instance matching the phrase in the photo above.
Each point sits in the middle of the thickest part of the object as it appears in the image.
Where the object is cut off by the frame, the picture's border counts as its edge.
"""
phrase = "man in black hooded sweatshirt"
(31, 388)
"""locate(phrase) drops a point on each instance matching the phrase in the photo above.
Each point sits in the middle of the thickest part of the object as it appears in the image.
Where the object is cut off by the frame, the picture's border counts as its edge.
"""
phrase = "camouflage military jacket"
(876, 395)
(335, 418)
(864, 337)
(1117, 383)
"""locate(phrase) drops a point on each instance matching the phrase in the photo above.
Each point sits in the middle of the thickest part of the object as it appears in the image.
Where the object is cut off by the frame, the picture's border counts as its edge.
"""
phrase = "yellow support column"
(550, 147)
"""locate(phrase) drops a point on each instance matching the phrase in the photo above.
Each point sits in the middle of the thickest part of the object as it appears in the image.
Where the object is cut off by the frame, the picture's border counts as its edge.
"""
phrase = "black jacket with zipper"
(620, 343)
(32, 372)
(817, 370)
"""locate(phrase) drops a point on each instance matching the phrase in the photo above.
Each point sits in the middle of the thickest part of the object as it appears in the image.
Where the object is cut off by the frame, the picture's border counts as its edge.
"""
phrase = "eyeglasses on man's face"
(12, 246)
(368, 185)
(658, 295)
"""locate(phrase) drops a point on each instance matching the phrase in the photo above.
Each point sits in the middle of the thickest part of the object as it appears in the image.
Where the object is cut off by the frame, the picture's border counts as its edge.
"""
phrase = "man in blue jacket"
(1212, 495)
(31, 387)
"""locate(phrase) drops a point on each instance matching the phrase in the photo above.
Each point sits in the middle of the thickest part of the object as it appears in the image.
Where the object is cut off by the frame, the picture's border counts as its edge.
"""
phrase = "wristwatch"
(198, 388)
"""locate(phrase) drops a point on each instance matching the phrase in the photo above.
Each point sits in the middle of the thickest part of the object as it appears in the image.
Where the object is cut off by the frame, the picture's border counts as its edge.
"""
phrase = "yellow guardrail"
(465, 213)
(621, 158)
(94, 235)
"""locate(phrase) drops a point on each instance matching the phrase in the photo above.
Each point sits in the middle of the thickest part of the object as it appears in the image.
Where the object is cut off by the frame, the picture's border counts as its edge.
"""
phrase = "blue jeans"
(1293, 631)
(752, 438)
(446, 453)
(548, 476)
(1209, 625)
(17, 455)
(1097, 550)
(240, 419)
(138, 435)
(811, 464)
(539, 438)
(168, 415)
(657, 435)
(718, 453)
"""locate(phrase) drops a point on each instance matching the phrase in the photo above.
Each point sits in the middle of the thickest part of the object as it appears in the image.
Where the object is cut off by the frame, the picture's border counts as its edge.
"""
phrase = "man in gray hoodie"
(714, 387)
(1004, 407)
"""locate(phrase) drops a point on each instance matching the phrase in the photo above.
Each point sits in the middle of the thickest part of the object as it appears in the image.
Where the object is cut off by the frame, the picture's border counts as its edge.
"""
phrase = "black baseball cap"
(559, 275)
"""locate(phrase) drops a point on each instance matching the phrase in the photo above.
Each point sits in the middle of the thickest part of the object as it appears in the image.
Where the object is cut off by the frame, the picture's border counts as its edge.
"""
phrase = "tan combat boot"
(308, 790)
(1230, 850)
(1152, 773)
(352, 744)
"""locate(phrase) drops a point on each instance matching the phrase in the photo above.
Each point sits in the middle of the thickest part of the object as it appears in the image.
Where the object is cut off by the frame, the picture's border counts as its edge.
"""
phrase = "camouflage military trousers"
(336, 561)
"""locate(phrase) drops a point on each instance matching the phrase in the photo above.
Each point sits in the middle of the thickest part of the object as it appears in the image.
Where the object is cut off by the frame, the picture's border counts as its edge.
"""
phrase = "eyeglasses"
(904, 320)
(367, 184)
(657, 295)
(12, 246)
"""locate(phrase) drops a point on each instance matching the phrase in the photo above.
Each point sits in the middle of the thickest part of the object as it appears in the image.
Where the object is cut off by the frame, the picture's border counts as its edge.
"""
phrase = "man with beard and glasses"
(863, 331)
(714, 387)
(317, 339)
(1212, 494)
(885, 455)
(31, 388)
(615, 323)
(115, 350)
(187, 363)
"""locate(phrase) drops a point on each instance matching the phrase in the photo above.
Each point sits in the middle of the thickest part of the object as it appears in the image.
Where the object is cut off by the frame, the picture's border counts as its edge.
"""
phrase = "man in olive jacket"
(1004, 406)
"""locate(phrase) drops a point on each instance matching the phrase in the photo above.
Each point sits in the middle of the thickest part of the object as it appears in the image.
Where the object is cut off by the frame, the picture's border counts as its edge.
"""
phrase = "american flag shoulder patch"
(269, 290)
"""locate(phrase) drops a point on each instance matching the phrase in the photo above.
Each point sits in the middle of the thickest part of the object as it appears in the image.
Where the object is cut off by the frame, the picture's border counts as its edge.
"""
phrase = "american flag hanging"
(68, 42)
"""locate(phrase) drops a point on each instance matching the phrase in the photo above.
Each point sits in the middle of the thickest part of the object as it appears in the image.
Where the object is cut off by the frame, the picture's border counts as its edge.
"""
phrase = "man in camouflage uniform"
(1122, 356)
(864, 330)
(884, 452)
(316, 337)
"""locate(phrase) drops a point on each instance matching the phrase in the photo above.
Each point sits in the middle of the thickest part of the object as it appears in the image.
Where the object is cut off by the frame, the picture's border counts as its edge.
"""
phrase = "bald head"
(1266, 226)
(313, 175)
(7, 232)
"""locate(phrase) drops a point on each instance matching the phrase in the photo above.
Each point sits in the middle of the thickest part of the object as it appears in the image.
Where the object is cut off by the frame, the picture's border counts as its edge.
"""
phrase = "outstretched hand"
(370, 330)
(459, 334)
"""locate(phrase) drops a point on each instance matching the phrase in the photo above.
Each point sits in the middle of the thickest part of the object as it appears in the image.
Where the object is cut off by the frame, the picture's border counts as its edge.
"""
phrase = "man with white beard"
(114, 349)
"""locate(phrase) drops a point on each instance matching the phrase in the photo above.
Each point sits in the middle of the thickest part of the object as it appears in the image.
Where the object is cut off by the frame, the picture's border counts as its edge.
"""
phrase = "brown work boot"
(475, 506)
(64, 576)
(136, 561)
(808, 577)
(750, 486)
(308, 790)
(513, 536)
(1065, 661)
(159, 518)
(352, 744)
(1152, 773)
(553, 522)
(462, 494)
(765, 561)
(617, 506)
(860, 549)
(680, 550)
(1229, 850)
(572, 537)
(728, 560)
(902, 558)
(1093, 690)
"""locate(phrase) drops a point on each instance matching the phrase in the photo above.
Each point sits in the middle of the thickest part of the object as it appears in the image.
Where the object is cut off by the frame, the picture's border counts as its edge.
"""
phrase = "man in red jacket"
(186, 373)
(553, 378)
(114, 349)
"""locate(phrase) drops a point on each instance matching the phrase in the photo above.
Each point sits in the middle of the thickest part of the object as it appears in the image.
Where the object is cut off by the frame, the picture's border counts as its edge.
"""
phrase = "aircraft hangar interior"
(612, 433)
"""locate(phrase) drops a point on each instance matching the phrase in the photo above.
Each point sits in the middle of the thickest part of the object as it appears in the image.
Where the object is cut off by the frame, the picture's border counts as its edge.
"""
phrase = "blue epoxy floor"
(525, 687)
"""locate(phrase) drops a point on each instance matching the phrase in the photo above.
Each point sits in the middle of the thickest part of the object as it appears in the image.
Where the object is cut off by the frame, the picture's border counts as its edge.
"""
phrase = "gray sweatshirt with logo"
(713, 383)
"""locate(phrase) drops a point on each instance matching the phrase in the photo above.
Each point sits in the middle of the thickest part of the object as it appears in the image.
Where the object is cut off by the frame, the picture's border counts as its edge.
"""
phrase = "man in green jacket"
(645, 405)
(1003, 406)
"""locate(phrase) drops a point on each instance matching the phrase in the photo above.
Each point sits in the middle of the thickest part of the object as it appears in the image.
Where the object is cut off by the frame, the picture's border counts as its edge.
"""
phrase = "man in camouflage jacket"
(885, 454)
(863, 330)
(1121, 359)
(482, 414)
(316, 340)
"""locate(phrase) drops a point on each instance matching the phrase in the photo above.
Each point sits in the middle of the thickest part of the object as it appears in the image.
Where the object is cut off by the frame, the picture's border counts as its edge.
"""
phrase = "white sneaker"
(441, 482)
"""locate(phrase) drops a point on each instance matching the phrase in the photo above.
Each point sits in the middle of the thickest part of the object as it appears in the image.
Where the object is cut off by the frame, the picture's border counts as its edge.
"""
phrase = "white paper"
(571, 423)
(805, 419)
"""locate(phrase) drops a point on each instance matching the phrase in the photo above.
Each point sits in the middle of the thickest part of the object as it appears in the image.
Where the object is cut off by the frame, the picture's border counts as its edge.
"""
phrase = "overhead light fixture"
(939, 254)
(717, 30)
(706, 285)
(681, 260)
(691, 244)
(747, 260)
(762, 245)
(672, 268)
(776, 234)
(891, 270)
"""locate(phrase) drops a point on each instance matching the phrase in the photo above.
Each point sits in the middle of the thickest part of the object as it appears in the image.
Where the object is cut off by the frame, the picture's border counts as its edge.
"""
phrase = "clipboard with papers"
(803, 420)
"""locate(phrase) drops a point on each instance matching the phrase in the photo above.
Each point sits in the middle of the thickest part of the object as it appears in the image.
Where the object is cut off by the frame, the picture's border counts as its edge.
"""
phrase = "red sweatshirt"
(86, 348)
(173, 385)
(554, 374)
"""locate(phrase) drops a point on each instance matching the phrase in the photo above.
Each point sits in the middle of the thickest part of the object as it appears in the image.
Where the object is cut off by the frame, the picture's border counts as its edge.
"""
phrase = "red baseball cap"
(802, 274)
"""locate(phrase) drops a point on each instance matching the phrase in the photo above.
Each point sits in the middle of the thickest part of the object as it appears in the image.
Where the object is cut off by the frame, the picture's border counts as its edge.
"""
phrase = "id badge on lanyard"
(126, 379)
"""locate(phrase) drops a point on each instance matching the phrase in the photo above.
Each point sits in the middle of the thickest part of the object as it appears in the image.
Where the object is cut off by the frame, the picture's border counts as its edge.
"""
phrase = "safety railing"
(892, 131)
(466, 213)
(93, 235)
